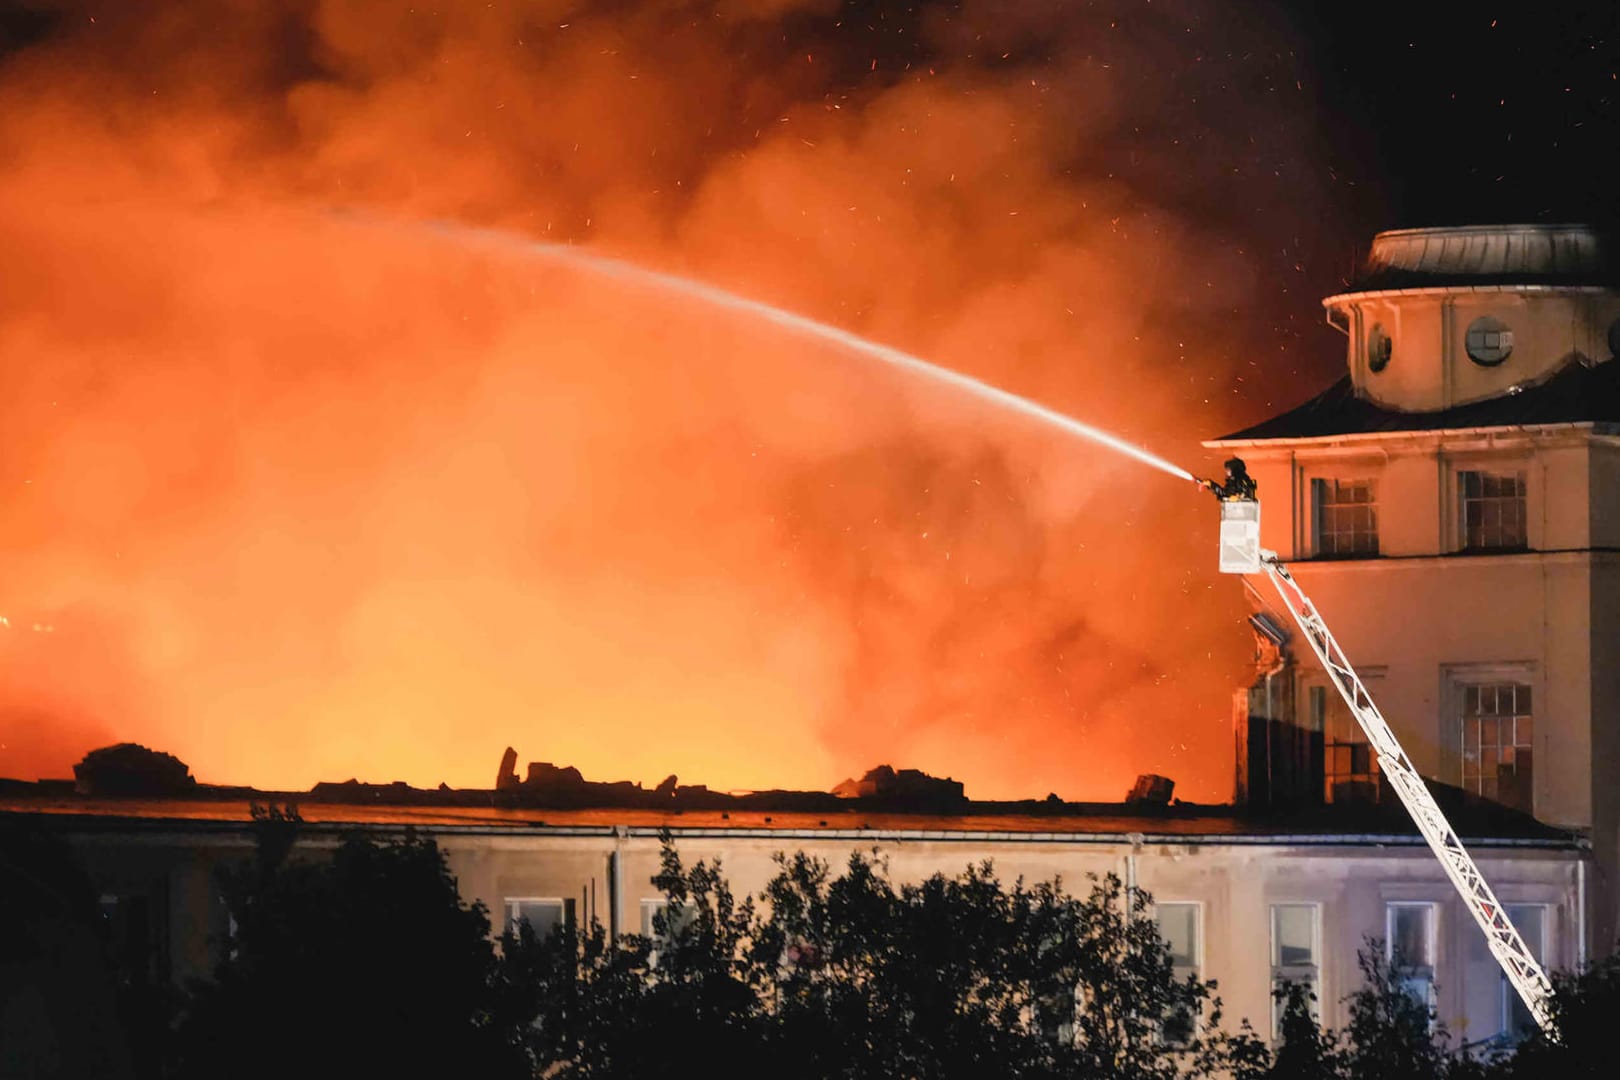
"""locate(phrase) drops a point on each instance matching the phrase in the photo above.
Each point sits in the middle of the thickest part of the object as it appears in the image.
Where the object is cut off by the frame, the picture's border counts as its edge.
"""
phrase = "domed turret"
(1448, 316)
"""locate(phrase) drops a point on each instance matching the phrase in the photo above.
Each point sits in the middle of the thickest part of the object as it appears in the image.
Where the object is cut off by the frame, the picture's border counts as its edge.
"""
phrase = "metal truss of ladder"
(1521, 968)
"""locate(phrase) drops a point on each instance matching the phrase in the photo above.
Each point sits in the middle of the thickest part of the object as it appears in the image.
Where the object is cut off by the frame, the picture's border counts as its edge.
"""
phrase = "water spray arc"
(715, 296)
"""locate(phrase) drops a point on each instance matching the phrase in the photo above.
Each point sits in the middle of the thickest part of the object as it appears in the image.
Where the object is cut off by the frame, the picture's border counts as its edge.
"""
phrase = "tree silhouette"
(364, 964)
(853, 976)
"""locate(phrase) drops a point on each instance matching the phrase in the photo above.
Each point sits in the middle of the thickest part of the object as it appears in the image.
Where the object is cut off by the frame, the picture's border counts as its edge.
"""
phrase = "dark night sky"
(1472, 113)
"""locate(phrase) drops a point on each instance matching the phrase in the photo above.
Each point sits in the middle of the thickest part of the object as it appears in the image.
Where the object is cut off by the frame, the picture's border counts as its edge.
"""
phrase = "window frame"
(1425, 972)
(1314, 683)
(1538, 949)
(1456, 679)
(1518, 468)
(1310, 974)
(1319, 485)
(1179, 972)
(565, 917)
(649, 908)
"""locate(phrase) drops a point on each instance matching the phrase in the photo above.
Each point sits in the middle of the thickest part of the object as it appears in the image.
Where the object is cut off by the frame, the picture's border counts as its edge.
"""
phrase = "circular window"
(1379, 347)
(1489, 341)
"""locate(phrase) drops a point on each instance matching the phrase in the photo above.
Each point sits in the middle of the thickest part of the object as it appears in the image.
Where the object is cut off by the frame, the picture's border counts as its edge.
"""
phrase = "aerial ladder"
(1241, 553)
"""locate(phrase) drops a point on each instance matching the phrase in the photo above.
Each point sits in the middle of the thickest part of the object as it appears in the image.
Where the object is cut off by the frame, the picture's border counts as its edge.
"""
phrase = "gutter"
(1279, 441)
(157, 830)
(1452, 290)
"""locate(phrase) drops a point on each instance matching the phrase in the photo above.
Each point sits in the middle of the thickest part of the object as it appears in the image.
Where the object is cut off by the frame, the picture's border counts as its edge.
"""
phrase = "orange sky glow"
(302, 481)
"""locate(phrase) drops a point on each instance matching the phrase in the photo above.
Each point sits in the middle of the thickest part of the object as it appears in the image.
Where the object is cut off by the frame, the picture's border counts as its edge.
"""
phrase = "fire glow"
(305, 498)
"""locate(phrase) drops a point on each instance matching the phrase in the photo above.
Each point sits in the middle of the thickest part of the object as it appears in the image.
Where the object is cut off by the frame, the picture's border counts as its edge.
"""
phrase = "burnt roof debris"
(131, 769)
(884, 784)
(1152, 790)
(1576, 394)
(885, 799)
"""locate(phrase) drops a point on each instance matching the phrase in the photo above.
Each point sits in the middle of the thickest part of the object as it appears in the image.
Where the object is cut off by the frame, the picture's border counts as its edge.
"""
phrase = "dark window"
(1492, 507)
(1349, 767)
(1344, 517)
(1498, 733)
(1380, 346)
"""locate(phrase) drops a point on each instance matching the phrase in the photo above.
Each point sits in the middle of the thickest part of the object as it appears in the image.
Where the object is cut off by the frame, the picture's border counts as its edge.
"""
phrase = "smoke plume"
(312, 470)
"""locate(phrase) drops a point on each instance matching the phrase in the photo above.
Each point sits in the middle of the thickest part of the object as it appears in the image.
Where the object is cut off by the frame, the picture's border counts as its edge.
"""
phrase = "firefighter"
(1239, 485)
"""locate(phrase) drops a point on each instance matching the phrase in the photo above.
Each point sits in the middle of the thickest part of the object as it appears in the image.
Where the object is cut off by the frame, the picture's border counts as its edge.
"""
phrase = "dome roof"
(1486, 255)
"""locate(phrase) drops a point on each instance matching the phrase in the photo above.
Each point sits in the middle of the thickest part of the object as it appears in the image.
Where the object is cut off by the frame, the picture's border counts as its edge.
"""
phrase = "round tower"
(1446, 316)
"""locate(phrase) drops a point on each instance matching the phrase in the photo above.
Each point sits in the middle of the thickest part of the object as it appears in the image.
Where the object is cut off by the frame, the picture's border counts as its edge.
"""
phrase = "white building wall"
(1233, 880)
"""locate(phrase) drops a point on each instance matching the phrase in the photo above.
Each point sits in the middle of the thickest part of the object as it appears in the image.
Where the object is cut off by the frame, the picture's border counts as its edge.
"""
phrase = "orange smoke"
(307, 484)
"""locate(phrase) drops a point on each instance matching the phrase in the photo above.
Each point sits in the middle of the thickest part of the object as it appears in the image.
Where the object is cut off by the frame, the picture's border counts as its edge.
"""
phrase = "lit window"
(1409, 941)
(1295, 955)
(1498, 731)
(1530, 920)
(1492, 510)
(1179, 927)
(545, 915)
(1379, 348)
(1344, 517)
(1488, 341)
(1349, 766)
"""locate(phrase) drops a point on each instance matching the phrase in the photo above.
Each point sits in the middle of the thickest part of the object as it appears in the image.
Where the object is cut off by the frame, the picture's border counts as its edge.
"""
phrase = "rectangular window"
(132, 927)
(1296, 936)
(1349, 767)
(1344, 518)
(1492, 511)
(1179, 926)
(1498, 733)
(545, 915)
(650, 908)
(1530, 920)
(1409, 945)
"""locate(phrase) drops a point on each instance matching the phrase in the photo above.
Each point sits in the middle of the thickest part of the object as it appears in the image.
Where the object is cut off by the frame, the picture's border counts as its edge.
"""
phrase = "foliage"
(1585, 1007)
(852, 976)
(1392, 1034)
(364, 964)
(368, 963)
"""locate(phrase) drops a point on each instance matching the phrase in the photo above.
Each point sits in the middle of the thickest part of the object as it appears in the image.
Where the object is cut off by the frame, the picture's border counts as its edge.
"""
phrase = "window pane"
(1492, 511)
(1409, 934)
(1497, 734)
(1293, 928)
(1345, 517)
(544, 917)
(1178, 924)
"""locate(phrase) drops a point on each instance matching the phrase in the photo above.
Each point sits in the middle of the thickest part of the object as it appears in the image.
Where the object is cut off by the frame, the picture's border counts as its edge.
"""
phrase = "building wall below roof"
(608, 875)
(1604, 743)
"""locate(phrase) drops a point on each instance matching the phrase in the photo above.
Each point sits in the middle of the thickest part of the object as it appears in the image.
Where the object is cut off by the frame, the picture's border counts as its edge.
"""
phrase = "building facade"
(1452, 506)
(1239, 899)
